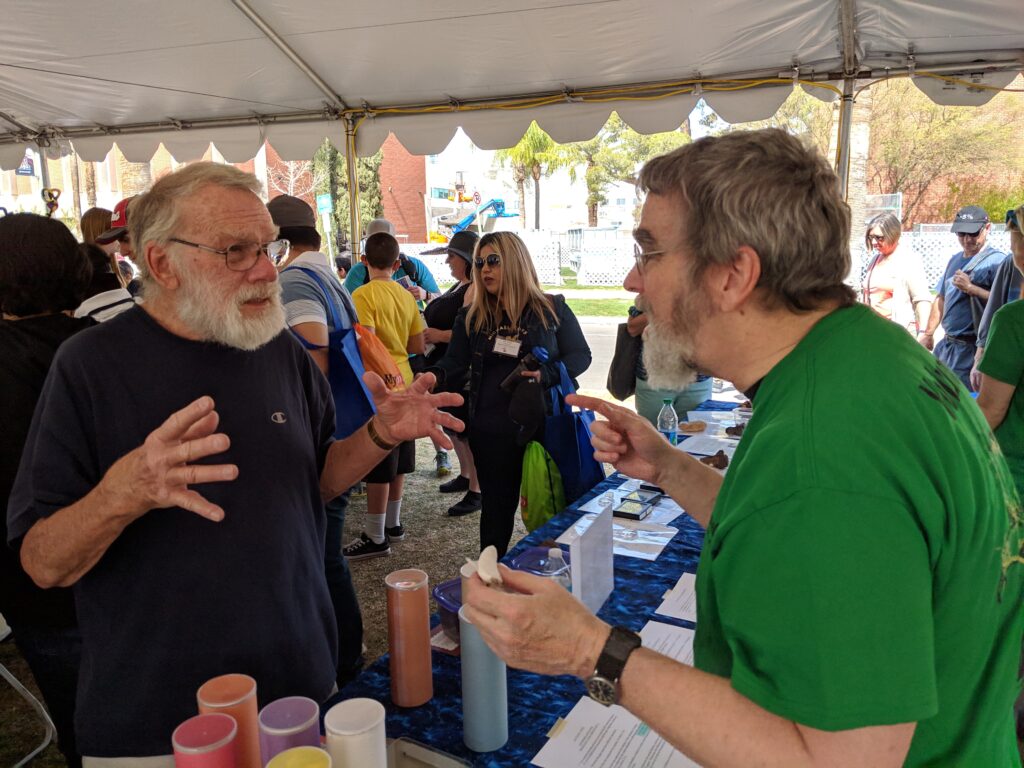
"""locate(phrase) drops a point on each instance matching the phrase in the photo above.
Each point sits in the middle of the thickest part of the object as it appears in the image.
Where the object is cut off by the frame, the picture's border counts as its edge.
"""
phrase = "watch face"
(602, 690)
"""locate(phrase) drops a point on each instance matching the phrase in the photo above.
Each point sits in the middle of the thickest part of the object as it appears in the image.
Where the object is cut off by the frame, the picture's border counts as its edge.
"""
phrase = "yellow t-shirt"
(391, 311)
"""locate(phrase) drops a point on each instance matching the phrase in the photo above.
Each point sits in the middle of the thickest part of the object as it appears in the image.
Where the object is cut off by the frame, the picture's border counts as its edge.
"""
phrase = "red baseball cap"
(118, 223)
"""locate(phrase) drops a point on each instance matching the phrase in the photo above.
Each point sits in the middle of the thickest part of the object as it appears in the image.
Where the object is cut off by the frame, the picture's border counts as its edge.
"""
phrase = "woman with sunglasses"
(508, 317)
(895, 285)
(1001, 396)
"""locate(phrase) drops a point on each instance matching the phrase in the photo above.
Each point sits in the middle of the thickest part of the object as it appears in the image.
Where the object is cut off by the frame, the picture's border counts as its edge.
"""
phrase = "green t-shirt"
(1004, 361)
(853, 569)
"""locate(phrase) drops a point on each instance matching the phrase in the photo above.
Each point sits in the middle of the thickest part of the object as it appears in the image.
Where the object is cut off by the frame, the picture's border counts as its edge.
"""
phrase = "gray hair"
(156, 214)
(890, 225)
(766, 190)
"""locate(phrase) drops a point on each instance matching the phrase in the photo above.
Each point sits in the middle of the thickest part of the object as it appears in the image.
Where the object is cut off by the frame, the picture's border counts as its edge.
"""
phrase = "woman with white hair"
(895, 285)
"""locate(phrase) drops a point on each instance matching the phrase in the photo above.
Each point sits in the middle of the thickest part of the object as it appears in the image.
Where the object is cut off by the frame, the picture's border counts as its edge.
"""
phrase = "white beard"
(667, 357)
(219, 319)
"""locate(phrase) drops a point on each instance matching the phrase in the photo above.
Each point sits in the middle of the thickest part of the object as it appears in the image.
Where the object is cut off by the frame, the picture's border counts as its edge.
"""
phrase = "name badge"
(506, 346)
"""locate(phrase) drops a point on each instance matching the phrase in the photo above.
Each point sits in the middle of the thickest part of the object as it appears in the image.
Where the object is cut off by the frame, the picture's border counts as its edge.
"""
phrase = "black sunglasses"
(494, 260)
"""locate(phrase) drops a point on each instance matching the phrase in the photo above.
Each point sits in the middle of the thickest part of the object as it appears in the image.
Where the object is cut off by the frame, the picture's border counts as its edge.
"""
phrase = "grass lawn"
(599, 307)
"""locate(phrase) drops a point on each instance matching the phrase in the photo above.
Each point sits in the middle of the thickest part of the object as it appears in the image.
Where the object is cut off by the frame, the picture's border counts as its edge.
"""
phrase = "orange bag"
(376, 358)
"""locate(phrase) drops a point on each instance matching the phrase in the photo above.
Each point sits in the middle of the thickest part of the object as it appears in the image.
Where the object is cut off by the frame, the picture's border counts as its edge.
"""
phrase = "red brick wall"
(403, 183)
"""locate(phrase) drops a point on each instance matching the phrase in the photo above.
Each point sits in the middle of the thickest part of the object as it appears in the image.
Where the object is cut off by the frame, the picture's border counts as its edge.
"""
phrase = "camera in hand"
(529, 362)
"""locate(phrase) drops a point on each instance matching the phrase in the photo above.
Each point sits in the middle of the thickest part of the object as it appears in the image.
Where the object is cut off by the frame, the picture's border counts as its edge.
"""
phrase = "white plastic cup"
(356, 737)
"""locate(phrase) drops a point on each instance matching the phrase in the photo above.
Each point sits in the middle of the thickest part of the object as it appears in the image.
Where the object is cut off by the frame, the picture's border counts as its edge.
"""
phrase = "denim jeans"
(343, 594)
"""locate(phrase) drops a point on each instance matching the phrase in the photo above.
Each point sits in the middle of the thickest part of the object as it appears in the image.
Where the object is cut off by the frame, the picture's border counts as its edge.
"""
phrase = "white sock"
(394, 513)
(375, 528)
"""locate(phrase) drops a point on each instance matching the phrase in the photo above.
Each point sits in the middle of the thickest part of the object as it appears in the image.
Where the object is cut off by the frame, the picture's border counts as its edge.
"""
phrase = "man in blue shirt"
(963, 292)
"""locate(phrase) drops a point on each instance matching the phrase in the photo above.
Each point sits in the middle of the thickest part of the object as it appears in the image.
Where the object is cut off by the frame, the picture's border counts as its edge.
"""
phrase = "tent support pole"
(845, 124)
(351, 169)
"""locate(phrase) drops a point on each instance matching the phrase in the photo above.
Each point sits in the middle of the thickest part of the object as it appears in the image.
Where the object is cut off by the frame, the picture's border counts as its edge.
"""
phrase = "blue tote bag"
(567, 440)
(353, 403)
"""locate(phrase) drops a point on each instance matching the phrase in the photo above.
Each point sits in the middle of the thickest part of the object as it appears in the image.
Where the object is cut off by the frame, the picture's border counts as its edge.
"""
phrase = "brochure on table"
(680, 602)
(708, 445)
(591, 564)
(593, 736)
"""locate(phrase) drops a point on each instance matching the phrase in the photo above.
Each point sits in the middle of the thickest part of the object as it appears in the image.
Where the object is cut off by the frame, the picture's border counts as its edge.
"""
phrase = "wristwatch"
(603, 685)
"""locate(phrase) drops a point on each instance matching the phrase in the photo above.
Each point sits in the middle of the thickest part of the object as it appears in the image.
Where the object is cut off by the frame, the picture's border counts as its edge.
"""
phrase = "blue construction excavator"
(494, 209)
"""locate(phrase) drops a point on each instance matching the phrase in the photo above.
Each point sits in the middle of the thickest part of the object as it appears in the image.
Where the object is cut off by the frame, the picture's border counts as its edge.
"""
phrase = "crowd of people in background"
(138, 406)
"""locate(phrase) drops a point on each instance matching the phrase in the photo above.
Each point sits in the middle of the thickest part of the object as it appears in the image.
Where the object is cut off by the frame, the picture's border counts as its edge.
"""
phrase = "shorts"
(400, 461)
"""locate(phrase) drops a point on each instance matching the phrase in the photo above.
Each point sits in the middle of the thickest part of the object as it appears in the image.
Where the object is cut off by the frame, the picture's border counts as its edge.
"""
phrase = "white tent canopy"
(238, 72)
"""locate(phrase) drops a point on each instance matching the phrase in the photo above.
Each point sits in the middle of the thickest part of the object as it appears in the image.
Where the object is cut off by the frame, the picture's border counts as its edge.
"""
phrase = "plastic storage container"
(534, 560)
(448, 595)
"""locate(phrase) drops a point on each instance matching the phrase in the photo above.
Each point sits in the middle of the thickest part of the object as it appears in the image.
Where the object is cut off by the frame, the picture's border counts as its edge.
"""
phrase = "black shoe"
(396, 533)
(365, 547)
(470, 503)
(455, 485)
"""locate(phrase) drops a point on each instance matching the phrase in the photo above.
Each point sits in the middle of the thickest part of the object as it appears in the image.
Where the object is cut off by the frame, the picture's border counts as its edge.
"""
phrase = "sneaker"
(470, 503)
(395, 534)
(458, 484)
(365, 547)
(444, 464)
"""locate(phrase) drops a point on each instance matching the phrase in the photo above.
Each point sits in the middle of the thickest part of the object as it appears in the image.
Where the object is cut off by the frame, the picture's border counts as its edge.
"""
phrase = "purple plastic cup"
(290, 722)
(206, 741)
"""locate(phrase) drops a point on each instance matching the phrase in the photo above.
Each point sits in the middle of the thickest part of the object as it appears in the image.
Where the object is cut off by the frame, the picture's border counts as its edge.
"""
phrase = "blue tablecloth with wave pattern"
(535, 702)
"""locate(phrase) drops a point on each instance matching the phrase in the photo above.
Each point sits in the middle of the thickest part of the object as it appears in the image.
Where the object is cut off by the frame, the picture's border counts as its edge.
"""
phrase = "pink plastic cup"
(206, 741)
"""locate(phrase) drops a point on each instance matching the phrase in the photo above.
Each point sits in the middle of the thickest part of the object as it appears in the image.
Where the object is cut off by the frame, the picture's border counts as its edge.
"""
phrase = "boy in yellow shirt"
(390, 311)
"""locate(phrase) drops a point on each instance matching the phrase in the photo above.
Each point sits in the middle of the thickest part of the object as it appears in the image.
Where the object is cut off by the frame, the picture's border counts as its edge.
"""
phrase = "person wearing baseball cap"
(309, 306)
(962, 293)
(440, 316)
(119, 229)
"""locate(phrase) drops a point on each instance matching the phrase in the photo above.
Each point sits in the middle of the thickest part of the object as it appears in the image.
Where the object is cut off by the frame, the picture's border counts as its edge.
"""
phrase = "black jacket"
(464, 357)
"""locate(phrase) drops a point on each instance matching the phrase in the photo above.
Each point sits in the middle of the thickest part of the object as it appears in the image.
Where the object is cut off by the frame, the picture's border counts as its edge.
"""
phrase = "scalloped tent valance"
(183, 74)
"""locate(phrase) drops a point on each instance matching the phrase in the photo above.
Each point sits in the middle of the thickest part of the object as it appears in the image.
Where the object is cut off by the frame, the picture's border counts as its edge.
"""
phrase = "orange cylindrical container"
(412, 678)
(235, 695)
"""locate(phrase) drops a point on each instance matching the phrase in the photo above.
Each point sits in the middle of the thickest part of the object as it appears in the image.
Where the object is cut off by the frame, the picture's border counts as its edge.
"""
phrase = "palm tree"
(534, 156)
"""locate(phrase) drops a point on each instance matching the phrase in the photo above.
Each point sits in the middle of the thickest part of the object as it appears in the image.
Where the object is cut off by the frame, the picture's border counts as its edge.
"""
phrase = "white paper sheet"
(630, 538)
(668, 640)
(594, 736)
(681, 600)
(725, 418)
(706, 445)
(591, 563)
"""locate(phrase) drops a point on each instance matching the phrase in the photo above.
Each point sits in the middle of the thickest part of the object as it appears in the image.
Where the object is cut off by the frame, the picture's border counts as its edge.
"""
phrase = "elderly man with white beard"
(859, 587)
(175, 474)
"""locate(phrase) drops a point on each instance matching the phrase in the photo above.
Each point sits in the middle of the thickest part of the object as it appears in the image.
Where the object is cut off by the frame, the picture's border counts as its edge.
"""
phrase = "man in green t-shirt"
(860, 584)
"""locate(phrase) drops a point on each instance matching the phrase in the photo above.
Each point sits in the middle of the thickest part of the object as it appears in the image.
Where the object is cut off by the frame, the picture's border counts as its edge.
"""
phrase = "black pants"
(54, 656)
(499, 467)
(343, 594)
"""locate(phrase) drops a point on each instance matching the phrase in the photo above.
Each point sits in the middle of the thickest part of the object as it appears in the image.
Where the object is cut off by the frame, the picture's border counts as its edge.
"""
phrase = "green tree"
(331, 176)
(920, 147)
(535, 155)
(615, 154)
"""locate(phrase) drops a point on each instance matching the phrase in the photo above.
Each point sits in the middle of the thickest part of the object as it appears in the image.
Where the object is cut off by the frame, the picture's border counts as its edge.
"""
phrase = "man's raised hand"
(413, 413)
(159, 473)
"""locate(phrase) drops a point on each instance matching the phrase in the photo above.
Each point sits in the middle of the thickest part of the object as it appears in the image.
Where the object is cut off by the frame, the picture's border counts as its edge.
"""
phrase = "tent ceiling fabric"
(140, 65)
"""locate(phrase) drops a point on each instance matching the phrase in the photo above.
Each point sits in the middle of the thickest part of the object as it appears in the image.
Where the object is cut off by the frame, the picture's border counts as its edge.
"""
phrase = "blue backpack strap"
(335, 318)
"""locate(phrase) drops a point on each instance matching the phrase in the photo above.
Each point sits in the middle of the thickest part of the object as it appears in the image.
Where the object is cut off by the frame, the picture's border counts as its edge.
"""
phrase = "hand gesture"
(926, 340)
(159, 473)
(413, 413)
(539, 626)
(962, 281)
(417, 292)
(436, 336)
(626, 441)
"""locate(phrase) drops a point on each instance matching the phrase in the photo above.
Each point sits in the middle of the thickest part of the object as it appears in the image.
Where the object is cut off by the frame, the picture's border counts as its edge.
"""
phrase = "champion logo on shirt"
(278, 417)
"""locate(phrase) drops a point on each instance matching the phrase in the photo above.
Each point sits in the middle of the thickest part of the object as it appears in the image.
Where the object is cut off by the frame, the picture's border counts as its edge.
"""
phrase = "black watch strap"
(617, 648)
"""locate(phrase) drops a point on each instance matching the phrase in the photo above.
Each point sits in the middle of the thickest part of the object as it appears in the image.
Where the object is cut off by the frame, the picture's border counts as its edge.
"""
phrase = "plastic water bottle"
(668, 421)
(556, 568)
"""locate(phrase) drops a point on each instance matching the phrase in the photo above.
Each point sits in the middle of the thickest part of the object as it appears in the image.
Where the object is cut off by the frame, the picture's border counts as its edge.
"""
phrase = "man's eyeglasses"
(241, 257)
(970, 234)
(493, 260)
(1012, 221)
(642, 257)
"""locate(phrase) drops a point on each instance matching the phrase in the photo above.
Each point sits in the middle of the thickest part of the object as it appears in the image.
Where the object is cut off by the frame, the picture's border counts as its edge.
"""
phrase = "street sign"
(324, 204)
(477, 198)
